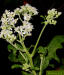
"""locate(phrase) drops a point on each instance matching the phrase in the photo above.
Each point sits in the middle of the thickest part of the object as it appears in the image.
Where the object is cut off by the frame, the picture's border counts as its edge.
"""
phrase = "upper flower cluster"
(7, 24)
(8, 21)
(52, 15)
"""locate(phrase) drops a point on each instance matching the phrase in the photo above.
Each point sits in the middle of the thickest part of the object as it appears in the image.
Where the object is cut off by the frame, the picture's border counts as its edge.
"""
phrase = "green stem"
(34, 73)
(28, 54)
(29, 58)
(23, 55)
(22, 43)
(20, 18)
(34, 50)
(41, 65)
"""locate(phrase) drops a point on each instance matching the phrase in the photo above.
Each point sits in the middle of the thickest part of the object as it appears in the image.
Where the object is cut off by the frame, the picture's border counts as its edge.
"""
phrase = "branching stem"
(28, 54)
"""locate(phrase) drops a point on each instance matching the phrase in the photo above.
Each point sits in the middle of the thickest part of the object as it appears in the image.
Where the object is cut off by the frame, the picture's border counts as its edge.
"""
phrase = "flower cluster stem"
(34, 50)
(28, 54)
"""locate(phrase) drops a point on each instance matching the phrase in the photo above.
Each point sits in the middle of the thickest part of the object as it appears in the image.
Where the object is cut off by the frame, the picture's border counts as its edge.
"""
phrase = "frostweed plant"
(16, 34)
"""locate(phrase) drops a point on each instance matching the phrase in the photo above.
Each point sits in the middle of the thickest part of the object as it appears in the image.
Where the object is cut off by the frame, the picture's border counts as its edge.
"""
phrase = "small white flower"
(29, 9)
(8, 18)
(17, 11)
(8, 35)
(9, 21)
(27, 17)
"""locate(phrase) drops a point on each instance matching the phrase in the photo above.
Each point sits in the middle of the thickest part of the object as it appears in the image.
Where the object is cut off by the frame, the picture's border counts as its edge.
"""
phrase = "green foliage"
(19, 47)
(14, 55)
(16, 66)
(36, 63)
(11, 48)
(48, 52)
(54, 45)
(42, 50)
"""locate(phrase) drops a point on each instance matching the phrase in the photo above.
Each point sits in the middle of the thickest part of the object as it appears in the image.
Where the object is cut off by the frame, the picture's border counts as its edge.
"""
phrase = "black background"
(49, 33)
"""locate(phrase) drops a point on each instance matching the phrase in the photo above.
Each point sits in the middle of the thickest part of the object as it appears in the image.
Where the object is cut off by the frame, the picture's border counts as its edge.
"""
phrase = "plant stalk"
(41, 64)
(29, 55)
(34, 50)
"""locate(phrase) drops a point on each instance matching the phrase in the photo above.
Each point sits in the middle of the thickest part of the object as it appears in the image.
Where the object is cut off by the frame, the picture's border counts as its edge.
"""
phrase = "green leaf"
(54, 45)
(56, 57)
(11, 48)
(16, 58)
(36, 63)
(16, 66)
(42, 50)
(45, 63)
(12, 57)
(20, 59)
(19, 47)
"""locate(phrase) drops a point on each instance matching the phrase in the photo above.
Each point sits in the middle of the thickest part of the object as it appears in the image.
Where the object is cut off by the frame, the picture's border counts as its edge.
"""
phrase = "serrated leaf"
(54, 45)
(16, 66)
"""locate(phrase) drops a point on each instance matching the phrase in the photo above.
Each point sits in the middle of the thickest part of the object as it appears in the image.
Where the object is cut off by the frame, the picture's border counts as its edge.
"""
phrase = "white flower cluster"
(7, 24)
(29, 9)
(8, 19)
(52, 15)
(8, 28)
(24, 30)
(8, 35)
(27, 12)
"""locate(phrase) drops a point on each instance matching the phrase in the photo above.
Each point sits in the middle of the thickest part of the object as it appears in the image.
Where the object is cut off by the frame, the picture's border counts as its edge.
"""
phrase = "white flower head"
(52, 14)
(8, 35)
(17, 11)
(24, 30)
(29, 9)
